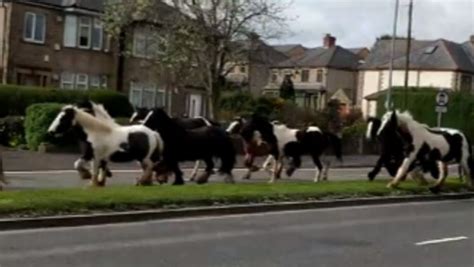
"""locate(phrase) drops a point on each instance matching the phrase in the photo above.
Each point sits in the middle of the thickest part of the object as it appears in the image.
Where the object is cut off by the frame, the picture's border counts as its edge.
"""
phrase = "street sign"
(442, 98)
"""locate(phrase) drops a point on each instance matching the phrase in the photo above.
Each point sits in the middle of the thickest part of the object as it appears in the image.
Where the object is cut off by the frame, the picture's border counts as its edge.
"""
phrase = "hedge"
(38, 118)
(421, 104)
(14, 99)
(12, 132)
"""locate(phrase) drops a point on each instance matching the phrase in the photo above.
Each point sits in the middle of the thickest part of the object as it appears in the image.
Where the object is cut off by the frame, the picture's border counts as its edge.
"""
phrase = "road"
(435, 234)
(21, 180)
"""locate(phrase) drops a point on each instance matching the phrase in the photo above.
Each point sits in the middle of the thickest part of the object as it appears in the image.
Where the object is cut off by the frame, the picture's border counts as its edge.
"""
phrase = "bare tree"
(200, 36)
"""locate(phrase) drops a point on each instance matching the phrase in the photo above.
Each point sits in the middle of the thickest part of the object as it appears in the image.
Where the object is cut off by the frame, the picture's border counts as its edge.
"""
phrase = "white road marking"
(443, 240)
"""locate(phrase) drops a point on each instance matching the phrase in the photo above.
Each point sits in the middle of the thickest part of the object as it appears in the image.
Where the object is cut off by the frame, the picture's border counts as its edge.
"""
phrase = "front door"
(195, 105)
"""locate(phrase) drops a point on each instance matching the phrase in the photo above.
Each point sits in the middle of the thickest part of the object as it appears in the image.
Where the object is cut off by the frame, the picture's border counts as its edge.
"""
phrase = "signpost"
(442, 100)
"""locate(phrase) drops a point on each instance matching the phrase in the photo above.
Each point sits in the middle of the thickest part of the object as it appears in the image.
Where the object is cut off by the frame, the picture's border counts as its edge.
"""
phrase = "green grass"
(88, 200)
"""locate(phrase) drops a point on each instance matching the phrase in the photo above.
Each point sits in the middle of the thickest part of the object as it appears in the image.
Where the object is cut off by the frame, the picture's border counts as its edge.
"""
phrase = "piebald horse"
(288, 143)
(112, 142)
(425, 144)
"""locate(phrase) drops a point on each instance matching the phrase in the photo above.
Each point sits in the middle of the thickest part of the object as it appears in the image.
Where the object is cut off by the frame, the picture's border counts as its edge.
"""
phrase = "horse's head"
(139, 115)
(157, 119)
(373, 126)
(64, 121)
(235, 126)
(87, 106)
(258, 130)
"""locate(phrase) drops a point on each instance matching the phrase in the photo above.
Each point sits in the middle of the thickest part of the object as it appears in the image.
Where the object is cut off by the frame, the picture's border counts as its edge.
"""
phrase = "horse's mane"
(87, 121)
(102, 114)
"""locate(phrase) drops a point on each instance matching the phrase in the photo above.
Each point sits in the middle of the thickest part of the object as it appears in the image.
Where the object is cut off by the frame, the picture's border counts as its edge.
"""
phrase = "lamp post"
(388, 100)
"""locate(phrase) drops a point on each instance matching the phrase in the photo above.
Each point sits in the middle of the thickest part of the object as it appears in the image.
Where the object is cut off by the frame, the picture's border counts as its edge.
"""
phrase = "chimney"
(329, 41)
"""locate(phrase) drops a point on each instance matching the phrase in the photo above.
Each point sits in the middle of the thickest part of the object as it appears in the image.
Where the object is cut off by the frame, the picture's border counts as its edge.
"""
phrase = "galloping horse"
(187, 123)
(189, 145)
(112, 142)
(425, 144)
(290, 143)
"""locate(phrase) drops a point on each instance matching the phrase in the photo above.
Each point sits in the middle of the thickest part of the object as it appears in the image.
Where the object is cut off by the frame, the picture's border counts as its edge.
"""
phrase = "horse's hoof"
(108, 173)
(392, 186)
(371, 176)
(435, 190)
(203, 179)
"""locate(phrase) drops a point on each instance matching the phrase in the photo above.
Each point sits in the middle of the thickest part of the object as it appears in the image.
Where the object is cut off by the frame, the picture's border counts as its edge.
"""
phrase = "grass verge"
(89, 200)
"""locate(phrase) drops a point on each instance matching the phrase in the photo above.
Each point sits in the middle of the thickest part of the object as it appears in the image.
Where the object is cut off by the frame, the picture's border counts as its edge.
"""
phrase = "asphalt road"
(24, 180)
(69, 178)
(435, 234)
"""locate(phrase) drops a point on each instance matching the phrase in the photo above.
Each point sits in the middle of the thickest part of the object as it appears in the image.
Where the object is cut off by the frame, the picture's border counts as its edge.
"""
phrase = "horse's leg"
(461, 173)
(319, 168)
(436, 189)
(326, 168)
(467, 165)
(95, 164)
(378, 166)
(204, 177)
(402, 171)
(147, 175)
(295, 163)
(178, 174)
(248, 162)
(278, 161)
(195, 171)
(267, 164)
(102, 173)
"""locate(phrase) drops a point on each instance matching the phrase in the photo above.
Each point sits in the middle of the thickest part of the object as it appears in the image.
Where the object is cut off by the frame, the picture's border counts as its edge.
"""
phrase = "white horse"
(426, 144)
(112, 142)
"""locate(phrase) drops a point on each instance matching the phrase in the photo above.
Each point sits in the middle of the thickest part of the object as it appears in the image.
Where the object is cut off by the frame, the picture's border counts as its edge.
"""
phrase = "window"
(243, 69)
(305, 76)
(85, 32)
(466, 83)
(95, 82)
(146, 95)
(67, 80)
(274, 78)
(82, 81)
(34, 28)
(70, 31)
(144, 44)
(430, 49)
(319, 76)
(97, 32)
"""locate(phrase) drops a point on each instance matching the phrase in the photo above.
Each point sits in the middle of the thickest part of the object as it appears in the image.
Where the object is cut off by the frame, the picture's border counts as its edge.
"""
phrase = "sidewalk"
(14, 160)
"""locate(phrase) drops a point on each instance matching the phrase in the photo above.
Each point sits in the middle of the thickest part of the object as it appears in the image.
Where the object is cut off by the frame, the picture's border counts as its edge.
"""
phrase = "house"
(62, 44)
(438, 63)
(251, 70)
(323, 73)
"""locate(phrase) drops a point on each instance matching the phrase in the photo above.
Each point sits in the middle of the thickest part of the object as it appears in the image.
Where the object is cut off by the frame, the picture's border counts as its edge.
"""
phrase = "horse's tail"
(336, 143)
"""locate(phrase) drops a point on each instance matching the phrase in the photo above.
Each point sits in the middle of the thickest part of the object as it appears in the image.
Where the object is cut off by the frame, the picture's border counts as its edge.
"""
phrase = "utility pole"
(388, 100)
(407, 62)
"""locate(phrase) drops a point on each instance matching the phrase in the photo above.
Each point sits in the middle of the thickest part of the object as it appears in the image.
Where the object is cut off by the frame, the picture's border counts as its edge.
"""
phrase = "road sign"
(442, 98)
(441, 109)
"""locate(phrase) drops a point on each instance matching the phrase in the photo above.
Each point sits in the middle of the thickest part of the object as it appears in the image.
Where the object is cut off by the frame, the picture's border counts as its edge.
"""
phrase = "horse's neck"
(90, 124)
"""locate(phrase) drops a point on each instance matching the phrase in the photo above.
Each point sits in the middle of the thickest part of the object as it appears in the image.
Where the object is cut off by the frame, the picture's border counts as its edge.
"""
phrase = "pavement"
(435, 234)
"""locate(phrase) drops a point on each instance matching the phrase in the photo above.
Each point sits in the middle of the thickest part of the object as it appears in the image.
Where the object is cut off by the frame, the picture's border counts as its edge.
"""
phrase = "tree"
(287, 89)
(198, 36)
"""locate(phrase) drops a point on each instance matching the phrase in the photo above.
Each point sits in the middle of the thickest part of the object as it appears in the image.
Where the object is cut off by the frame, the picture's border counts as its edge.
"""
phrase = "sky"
(357, 23)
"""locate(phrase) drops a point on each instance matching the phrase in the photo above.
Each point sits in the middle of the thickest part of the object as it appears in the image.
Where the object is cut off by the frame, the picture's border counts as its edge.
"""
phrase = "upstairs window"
(85, 28)
(34, 28)
(319, 76)
(97, 35)
(305, 76)
(144, 44)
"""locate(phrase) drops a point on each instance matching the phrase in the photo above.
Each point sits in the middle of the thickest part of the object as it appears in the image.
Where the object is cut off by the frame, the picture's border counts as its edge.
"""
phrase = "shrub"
(15, 99)
(12, 132)
(37, 120)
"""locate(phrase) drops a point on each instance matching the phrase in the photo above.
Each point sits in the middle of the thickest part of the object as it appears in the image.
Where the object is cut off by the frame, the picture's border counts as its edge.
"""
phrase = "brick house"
(62, 44)
(321, 74)
(433, 63)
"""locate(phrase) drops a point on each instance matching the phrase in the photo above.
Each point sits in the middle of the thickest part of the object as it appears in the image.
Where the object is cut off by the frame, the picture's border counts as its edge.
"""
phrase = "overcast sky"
(358, 22)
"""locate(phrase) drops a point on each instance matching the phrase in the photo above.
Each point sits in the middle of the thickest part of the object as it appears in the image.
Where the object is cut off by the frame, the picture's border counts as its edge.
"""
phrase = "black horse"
(187, 123)
(181, 145)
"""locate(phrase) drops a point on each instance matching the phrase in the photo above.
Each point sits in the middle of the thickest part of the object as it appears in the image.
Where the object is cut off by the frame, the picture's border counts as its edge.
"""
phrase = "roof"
(431, 55)
(357, 50)
(334, 57)
(287, 47)
(260, 51)
(95, 5)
